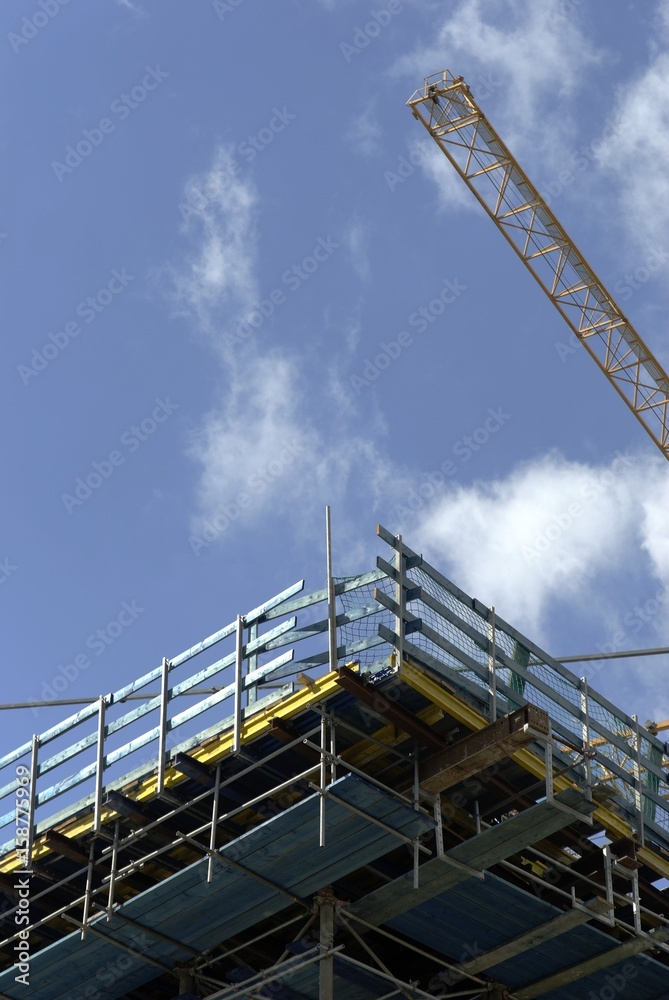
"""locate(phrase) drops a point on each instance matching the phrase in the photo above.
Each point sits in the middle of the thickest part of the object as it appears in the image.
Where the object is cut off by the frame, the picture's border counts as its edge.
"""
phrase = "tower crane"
(448, 111)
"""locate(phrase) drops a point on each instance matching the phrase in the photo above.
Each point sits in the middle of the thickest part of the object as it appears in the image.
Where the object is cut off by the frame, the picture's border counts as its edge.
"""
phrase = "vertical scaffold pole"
(87, 895)
(333, 750)
(549, 765)
(638, 781)
(399, 600)
(326, 904)
(99, 774)
(585, 709)
(636, 901)
(239, 663)
(492, 666)
(332, 606)
(332, 662)
(438, 824)
(608, 879)
(416, 804)
(252, 693)
(324, 734)
(214, 822)
(114, 869)
(162, 735)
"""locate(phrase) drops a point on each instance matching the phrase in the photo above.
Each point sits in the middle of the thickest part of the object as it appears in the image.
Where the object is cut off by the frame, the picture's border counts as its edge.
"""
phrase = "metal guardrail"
(490, 661)
(436, 623)
(95, 762)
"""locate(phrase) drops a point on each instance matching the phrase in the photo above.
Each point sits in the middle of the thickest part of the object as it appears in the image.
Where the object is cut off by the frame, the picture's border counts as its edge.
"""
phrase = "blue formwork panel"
(284, 850)
(476, 916)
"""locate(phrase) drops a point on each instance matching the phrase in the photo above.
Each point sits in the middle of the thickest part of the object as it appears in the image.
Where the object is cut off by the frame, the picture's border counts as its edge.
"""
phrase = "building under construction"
(376, 790)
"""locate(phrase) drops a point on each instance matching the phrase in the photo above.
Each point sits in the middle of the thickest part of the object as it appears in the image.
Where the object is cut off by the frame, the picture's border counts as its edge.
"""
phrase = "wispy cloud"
(261, 449)
(218, 273)
(451, 191)
(532, 52)
(524, 57)
(242, 442)
(365, 131)
(262, 456)
(356, 238)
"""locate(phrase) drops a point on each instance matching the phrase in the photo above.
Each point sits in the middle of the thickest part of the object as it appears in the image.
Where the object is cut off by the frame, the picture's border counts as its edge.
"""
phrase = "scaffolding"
(418, 806)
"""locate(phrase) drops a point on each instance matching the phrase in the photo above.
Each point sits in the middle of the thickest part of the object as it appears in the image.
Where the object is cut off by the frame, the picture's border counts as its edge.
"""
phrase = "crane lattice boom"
(457, 124)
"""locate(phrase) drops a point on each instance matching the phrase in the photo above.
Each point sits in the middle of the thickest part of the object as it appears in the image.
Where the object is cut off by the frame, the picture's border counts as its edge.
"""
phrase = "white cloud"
(552, 533)
(524, 55)
(259, 449)
(663, 21)
(219, 210)
(655, 528)
(356, 239)
(452, 192)
(261, 454)
(254, 439)
(526, 48)
(637, 152)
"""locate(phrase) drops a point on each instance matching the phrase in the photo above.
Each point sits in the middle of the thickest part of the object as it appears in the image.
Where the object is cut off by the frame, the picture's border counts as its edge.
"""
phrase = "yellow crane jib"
(448, 111)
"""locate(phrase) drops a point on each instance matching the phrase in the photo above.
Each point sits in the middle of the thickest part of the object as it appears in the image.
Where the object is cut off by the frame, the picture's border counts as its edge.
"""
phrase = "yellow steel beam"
(257, 725)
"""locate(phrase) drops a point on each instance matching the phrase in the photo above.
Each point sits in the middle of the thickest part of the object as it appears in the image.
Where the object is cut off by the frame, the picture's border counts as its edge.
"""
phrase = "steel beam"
(393, 712)
(325, 901)
(635, 946)
(524, 942)
(192, 768)
(65, 846)
(479, 750)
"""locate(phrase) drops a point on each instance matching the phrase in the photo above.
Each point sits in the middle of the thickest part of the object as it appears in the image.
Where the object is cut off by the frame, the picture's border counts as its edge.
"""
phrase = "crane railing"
(456, 123)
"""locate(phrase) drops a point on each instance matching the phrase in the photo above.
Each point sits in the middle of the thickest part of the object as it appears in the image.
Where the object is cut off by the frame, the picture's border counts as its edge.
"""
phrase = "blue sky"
(217, 218)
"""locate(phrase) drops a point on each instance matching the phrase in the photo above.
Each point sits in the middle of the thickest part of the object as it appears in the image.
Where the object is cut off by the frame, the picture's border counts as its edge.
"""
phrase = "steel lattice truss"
(458, 125)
